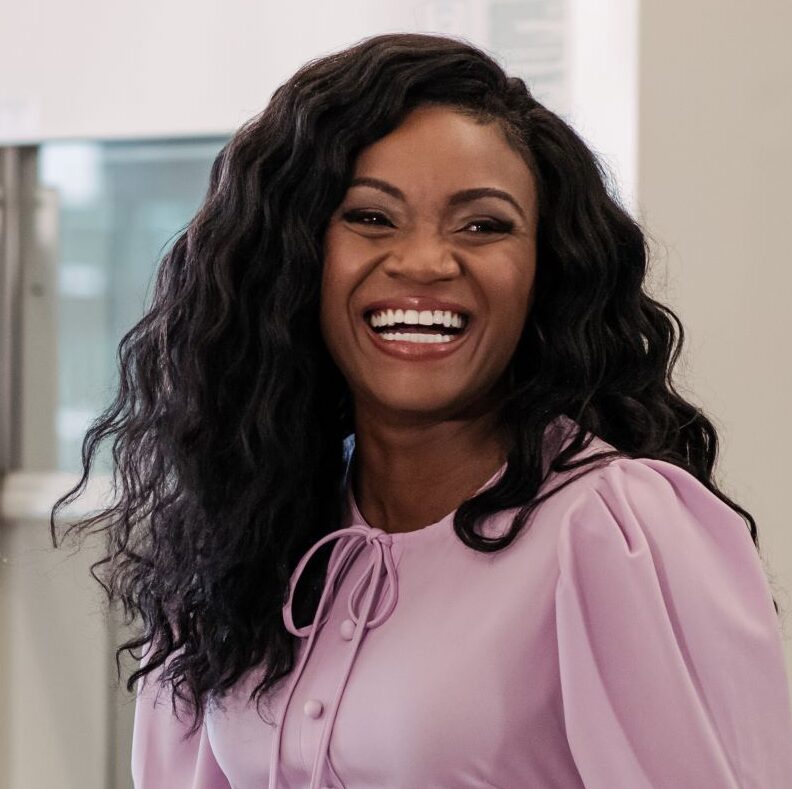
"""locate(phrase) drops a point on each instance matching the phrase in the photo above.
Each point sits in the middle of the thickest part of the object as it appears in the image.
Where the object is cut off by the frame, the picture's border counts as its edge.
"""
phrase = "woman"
(408, 498)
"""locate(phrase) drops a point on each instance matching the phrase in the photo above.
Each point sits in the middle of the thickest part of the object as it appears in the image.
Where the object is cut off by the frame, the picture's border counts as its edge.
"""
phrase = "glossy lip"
(413, 351)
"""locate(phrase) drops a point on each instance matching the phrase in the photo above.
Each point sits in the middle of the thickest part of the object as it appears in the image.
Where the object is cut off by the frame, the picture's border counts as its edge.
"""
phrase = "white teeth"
(416, 337)
(391, 317)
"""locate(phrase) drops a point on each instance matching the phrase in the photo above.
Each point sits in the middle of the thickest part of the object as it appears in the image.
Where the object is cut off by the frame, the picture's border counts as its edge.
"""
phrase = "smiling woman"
(455, 206)
(407, 252)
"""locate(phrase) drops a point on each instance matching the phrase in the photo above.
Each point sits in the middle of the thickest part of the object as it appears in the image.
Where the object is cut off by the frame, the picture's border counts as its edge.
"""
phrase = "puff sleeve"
(670, 651)
(161, 759)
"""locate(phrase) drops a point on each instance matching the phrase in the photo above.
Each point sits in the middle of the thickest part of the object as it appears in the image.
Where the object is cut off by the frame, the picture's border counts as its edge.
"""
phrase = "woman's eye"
(491, 226)
(361, 217)
(377, 219)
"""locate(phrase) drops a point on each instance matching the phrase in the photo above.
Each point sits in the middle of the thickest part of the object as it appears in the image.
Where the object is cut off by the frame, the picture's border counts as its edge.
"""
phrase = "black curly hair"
(231, 418)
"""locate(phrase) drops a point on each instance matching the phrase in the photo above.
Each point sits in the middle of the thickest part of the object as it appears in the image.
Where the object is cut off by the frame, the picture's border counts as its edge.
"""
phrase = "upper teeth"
(422, 318)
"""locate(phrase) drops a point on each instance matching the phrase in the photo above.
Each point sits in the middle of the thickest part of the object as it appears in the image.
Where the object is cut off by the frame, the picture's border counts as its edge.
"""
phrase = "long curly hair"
(230, 418)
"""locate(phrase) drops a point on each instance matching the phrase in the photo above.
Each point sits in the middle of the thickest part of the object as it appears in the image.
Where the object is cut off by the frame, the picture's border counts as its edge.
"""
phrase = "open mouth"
(415, 342)
(438, 332)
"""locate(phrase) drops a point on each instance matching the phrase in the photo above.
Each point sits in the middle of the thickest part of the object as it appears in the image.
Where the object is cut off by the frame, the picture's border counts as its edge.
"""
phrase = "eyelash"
(495, 225)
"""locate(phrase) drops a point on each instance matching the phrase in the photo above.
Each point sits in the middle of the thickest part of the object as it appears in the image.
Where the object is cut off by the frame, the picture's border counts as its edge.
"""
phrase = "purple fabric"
(626, 639)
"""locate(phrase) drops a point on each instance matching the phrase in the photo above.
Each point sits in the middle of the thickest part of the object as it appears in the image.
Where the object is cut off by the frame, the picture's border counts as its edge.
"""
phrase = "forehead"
(438, 150)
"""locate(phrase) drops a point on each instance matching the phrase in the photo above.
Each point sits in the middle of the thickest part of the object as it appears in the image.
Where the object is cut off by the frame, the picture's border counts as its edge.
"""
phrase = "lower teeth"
(416, 337)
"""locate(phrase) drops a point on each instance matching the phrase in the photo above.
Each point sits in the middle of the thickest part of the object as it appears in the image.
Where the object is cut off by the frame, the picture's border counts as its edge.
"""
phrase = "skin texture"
(425, 430)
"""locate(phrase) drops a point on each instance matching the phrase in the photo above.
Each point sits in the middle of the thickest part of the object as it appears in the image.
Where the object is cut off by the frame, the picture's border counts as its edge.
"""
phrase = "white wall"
(94, 69)
(714, 181)
(603, 100)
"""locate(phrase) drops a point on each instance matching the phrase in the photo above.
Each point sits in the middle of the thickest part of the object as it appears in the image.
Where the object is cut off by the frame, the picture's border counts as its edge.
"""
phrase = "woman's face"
(408, 237)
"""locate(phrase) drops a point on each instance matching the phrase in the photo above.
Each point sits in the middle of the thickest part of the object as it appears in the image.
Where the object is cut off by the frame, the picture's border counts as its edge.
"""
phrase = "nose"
(422, 256)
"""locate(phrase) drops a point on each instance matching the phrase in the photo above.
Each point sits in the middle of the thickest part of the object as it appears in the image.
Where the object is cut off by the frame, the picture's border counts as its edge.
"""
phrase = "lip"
(417, 303)
(413, 351)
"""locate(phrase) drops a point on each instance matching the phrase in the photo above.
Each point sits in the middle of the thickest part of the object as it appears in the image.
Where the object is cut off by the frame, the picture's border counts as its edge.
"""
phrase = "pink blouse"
(626, 639)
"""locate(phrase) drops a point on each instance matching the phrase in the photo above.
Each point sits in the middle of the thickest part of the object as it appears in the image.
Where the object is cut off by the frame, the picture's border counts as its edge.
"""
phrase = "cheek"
(332, 277)
(334, 310)
(342, 271)
(520, 281)
(510, 293)
(510, 297)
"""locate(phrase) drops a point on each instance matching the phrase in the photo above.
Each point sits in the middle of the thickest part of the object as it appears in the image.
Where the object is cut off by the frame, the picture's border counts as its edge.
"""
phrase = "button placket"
(364, 595)
(314, 708)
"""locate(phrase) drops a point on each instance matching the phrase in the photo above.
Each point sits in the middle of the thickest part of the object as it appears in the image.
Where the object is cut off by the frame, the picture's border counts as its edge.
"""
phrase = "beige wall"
(714, 180)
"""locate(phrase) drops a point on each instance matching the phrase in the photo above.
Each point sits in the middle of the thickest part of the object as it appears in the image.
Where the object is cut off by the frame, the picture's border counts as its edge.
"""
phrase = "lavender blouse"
(626, 639)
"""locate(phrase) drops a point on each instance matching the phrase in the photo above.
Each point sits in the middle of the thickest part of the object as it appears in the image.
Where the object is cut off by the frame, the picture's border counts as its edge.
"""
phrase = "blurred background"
(110, 117)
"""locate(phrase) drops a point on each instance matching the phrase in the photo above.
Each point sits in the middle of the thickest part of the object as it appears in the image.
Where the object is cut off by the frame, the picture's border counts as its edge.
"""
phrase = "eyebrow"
(463, 196)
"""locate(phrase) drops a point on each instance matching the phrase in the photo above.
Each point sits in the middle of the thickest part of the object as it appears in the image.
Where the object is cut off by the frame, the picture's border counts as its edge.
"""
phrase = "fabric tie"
(352, 540)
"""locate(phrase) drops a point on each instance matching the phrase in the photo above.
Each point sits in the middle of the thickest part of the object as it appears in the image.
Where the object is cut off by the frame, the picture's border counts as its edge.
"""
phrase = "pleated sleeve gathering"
(161, 757)
(670, 651)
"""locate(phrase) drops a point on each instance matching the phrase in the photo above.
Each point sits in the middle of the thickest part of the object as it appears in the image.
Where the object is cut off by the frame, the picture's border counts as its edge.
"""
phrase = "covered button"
(348, 629)
(313, 708)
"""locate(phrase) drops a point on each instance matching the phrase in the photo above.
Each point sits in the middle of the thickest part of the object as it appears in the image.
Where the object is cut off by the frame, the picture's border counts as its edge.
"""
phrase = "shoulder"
(624, 494)
(661, 604)
(657, 497)
(647, 526)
